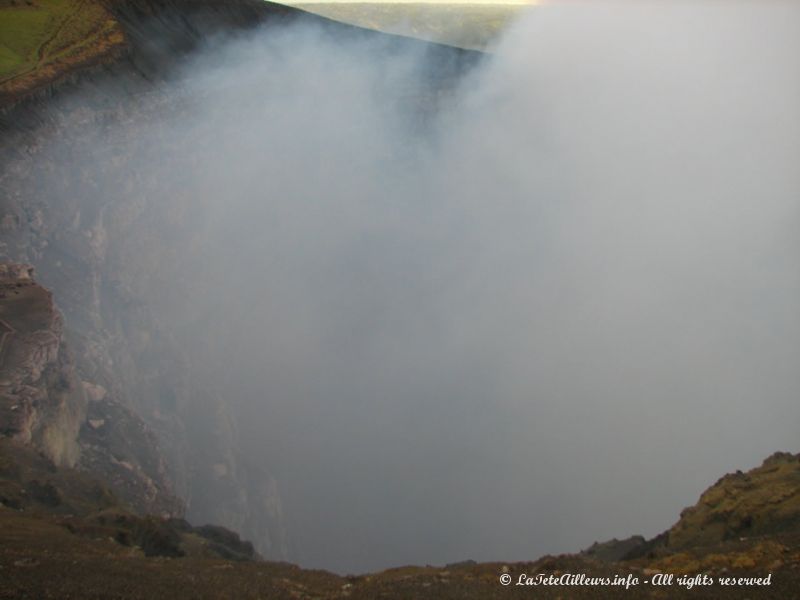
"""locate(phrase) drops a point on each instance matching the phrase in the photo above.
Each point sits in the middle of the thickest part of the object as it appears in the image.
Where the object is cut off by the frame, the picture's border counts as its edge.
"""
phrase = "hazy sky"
(500, 2)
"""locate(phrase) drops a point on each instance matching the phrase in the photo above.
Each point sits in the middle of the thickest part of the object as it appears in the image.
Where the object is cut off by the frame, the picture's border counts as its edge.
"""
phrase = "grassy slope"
(41, 39)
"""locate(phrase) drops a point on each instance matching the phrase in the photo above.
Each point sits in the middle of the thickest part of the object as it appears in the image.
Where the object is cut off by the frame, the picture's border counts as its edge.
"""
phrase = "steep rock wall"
(42, 401)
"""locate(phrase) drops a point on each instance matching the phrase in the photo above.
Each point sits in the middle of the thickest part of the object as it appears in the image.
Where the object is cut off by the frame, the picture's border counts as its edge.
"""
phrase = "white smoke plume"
(550, 314)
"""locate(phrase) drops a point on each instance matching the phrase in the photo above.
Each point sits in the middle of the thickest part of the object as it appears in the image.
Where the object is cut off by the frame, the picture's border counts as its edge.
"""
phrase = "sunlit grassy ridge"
(41, 38)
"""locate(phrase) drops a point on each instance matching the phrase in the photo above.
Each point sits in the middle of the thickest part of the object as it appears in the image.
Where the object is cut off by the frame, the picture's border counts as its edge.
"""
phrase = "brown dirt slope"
(36, 495)
(63, 535)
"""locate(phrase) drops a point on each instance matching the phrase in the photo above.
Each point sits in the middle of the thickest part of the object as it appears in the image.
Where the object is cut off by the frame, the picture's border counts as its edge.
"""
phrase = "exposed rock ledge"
(42, 402)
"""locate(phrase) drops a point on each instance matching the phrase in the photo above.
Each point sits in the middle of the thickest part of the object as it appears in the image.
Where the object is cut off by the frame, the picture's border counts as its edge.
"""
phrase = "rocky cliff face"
(67, 402)
(35, 490)
(105, 225)
(42, 401)
(118, 447)
(46, 403)
(120, 401)
(129, 393)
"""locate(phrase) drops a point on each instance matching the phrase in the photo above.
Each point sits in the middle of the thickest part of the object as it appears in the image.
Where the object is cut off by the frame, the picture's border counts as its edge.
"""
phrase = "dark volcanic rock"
(44, 403)
(41, 399)
(614, 550)
(118, 447)
(226, 543)
(31, 483)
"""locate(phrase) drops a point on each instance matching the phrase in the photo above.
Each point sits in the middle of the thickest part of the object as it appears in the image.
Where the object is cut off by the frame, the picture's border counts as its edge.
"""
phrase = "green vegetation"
(21, 29)
(41, 39)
